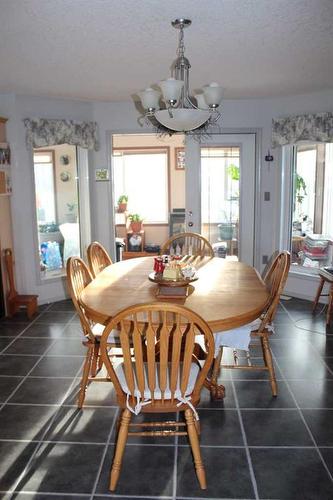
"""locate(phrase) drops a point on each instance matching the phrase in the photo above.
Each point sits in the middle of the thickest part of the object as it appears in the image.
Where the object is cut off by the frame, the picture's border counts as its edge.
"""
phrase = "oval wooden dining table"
(227, 294)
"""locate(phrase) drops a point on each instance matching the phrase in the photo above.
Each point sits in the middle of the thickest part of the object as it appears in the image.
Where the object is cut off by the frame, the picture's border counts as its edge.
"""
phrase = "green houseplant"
(136, 222)
(122, 203)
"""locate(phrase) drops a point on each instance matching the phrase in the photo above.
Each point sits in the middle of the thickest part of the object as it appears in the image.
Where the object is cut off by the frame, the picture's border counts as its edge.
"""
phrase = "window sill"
(305, 274)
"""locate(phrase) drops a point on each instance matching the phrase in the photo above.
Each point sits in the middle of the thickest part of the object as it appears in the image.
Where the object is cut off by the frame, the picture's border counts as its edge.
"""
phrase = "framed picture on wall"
(180, 158)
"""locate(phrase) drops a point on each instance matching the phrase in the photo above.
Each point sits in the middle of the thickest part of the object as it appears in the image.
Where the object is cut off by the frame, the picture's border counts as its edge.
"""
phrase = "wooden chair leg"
(195, 446)
(318, 294)
(330, 306)
(85, 376)
(120, 448)
(216, 366)
(267, 355)
(95, 360)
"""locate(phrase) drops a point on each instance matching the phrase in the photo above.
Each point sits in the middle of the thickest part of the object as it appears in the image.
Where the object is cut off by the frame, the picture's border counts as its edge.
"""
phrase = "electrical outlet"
(265, 259)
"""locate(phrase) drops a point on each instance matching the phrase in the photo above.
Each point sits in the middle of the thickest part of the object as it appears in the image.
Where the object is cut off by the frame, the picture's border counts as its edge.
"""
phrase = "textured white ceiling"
(110, 49)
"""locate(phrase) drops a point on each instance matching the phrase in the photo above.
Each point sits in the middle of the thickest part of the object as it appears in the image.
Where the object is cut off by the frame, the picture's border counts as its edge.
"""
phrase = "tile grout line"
(247, 451)
(106, 445)
(175, 465)
(305, 423)
(27, 375)
(24, 329)
(223, 447)
(31, 492)
(40, 442)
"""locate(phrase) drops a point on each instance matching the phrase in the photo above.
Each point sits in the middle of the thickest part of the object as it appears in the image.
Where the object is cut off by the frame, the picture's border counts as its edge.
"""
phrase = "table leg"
(330, 306)
(318, 294)
(217, 391)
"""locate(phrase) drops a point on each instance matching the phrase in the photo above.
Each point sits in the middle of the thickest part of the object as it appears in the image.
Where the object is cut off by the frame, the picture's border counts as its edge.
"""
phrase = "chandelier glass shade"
(178, 111)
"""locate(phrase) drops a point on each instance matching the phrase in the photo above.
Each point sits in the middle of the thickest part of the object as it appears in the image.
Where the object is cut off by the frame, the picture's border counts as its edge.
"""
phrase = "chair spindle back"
(78, 277)
(189, 244)
(275, 281)
(162, 337)
(98, 258)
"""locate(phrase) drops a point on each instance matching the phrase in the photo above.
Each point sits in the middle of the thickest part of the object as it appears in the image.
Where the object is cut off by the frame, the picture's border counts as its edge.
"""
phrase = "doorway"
(177, 184)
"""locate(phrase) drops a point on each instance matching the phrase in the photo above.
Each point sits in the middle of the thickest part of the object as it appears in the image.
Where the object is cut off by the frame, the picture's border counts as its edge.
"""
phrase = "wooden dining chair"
(187, 244)
(159, 375)
(78, 277)
(239, 338)
(98, 258)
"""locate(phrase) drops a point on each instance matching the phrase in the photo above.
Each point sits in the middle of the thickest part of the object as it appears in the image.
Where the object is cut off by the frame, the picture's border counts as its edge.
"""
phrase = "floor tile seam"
(48, 377)
(215, 498)
(32, 492)
(313, 348)
(48, 355)
(307, 427)
(40, 443)
(288, 313)
(29, 372)
(175, 464)
(157, 445)
(326, 366)
(34, 376)
(247, 451)
(21, 355)
(62, 405)
(283, 378)
(146, 497)
(20, 334)
(52, 441)
(48, 337)
(25, 377)
(55, 405)
(106, 447)
(25, 329)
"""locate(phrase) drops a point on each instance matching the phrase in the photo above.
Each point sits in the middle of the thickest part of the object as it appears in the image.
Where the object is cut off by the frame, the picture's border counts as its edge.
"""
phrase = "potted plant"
(71, 216)
(136, 222)
(122, 203)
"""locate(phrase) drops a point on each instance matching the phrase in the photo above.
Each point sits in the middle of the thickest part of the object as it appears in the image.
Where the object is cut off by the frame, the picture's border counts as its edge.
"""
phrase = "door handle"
(190, 224)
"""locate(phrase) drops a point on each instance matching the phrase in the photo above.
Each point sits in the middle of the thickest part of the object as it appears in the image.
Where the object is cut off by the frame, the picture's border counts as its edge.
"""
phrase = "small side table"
(325, 277)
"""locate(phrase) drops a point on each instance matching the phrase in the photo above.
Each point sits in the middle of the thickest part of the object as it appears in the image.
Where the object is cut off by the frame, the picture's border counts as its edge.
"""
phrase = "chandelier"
(181, 112)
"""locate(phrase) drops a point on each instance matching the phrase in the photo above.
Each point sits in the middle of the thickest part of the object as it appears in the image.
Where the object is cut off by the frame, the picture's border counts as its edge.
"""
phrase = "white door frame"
(249, 205)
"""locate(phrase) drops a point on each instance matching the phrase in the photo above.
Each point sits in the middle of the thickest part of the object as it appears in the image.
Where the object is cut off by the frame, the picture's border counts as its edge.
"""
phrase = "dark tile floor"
(254, 446)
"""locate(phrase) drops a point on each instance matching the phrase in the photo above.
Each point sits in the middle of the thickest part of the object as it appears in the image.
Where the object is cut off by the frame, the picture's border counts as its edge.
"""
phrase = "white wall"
(122, 117)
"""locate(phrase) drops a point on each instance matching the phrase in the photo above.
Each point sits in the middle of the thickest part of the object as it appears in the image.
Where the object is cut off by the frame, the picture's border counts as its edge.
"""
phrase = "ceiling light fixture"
(180, 111)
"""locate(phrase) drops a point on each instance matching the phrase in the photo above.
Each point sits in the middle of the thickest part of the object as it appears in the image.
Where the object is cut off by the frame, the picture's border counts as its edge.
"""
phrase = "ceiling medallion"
(181, 112)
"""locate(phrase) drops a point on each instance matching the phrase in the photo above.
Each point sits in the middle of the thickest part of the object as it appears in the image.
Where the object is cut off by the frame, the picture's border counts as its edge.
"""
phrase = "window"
(45, 187)
(143, 177)
(220, 184)
(220, 176)
(312, 206)
(57, 208)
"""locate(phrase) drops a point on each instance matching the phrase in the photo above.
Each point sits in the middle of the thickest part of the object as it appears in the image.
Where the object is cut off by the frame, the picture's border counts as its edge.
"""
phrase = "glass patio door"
(220, 193)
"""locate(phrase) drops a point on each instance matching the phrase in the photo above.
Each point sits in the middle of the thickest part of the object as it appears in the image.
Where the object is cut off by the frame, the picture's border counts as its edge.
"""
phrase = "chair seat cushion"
(98, 330)
(238, 338)
(194, 370)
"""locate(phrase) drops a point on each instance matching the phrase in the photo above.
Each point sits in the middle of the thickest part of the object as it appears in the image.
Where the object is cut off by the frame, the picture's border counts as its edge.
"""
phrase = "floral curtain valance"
(41, 132)
(316, 127)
